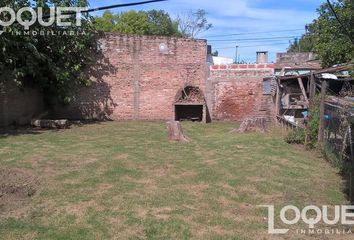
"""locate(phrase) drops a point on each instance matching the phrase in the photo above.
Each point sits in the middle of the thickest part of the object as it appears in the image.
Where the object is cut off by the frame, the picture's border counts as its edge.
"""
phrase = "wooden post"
(303, 90)
(322, 111)
(312, 94)
(204, 114)
(312, 86)
(351, 187)
(278, 101)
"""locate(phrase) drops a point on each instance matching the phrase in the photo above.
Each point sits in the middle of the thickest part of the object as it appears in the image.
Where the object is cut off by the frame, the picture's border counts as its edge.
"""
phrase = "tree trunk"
(50, 124)
(252, 125)
(175, 132)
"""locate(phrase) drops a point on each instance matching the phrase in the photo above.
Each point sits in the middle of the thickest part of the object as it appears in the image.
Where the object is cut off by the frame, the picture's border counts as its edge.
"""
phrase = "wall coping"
(242, 66)
(150, 37)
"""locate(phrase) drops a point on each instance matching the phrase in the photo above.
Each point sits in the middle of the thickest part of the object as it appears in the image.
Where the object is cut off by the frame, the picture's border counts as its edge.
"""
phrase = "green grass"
(124, 180)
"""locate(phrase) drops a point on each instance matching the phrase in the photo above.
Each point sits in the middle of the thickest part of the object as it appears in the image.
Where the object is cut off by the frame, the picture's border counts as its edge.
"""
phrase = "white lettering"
(311, 221)
(26, 23)
(12, 18)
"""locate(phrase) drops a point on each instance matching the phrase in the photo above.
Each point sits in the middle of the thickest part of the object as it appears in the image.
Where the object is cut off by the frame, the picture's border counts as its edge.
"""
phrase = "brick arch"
(190, 94)
(190, 105)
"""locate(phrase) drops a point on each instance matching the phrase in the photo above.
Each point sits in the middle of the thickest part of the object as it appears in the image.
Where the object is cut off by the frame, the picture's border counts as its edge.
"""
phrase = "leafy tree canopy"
(55, 63)
(143, 23)
(332, 41)
(52, 62)
(304, 44)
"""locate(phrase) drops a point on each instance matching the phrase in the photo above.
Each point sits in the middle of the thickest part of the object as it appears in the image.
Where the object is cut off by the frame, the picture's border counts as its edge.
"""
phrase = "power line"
(252, 39)
(221, 44)
(122, 5)
(249, 46)
(251, 33)
(110, 7)
(346, 31)
(106, 8)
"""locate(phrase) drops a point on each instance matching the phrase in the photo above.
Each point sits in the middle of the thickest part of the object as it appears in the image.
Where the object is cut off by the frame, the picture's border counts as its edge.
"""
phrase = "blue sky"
(251, 19)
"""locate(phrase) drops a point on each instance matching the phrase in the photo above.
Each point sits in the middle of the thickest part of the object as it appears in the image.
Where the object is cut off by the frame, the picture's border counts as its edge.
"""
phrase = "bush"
(307, 136)
(296, 136)
(314, 122)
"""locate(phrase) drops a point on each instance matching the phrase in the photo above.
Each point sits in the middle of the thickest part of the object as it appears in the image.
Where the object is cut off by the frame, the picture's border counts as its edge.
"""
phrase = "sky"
(252, 25)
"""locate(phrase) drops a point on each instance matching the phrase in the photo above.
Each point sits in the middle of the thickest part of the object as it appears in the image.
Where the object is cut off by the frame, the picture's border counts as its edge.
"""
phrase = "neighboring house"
(296, 63)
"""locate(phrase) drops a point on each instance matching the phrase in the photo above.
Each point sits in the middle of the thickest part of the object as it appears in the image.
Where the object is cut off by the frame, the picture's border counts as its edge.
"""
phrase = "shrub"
(307, 136)
(296, 136)
(314, 122)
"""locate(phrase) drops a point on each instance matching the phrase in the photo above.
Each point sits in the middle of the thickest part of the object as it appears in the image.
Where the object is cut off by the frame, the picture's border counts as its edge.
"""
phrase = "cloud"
(244, 16)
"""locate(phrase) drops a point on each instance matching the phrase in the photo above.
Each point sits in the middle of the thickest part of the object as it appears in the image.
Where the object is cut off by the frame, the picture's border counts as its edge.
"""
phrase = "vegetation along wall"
(18, 106)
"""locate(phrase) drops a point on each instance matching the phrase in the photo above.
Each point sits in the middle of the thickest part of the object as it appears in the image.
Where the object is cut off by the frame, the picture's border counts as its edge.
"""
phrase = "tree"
(215, 53)
(333, 41)
(193, 23)
(160, 23)
(107, 22)
(143, 23)
(330, 38)
(132, 22)
(304, 44)
(53, 63)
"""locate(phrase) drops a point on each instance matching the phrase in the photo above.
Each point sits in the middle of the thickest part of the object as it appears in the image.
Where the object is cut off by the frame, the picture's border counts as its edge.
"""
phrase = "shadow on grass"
(24, 131)
(345, 164)
(18, 131)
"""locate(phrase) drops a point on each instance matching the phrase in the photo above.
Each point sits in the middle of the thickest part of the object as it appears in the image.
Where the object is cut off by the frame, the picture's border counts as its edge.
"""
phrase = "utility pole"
(236, 60)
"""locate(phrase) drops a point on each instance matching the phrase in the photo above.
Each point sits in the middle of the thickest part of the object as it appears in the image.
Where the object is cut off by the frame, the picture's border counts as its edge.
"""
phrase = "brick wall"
(138, 77)
(236, 91)
(18, 107)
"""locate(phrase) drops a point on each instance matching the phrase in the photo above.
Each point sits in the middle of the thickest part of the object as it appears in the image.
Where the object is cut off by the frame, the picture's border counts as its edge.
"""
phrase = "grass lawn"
(124, 180)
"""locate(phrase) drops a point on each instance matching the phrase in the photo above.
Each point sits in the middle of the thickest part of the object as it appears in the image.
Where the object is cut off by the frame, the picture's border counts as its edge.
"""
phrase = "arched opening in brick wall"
(190, 105)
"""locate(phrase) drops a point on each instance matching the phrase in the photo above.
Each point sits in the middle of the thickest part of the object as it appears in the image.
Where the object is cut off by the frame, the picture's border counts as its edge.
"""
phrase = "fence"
(339, 140)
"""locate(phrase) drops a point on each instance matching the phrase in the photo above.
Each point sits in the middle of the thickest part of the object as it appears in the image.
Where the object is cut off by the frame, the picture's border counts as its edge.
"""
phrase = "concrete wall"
(138, 77)
(236, 91)
(295, 58)
(18, 107)
(305, 60)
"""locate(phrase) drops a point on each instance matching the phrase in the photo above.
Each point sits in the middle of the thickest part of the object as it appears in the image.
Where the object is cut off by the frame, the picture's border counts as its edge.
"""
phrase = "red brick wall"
(237, 92)
(134, 79)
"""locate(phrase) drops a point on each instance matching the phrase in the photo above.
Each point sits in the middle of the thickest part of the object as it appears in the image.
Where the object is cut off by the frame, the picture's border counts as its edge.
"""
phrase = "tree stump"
(252, 125)
(175, 132)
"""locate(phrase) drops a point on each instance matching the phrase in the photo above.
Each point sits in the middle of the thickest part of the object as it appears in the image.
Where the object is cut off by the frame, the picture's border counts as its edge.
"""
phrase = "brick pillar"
(136, 82)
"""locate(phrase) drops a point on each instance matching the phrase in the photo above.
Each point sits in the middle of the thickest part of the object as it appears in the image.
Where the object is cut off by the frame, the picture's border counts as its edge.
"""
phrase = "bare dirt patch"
(17, 186)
